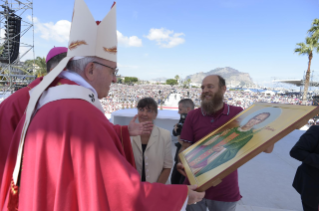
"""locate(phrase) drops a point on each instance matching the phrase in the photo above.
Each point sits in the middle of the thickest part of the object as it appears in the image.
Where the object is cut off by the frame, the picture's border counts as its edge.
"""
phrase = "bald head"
(215, 79)
(213, 84)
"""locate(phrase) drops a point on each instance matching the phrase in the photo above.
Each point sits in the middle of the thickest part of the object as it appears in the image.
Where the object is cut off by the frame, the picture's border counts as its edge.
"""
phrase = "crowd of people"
(60, 152)
(124, 96)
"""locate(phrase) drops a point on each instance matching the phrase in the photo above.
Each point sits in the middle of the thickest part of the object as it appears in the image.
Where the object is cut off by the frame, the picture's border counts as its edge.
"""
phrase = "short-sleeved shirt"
(197, 125)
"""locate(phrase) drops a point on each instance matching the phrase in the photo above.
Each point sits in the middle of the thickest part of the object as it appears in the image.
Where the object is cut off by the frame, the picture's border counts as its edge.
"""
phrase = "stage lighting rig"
(16, 22)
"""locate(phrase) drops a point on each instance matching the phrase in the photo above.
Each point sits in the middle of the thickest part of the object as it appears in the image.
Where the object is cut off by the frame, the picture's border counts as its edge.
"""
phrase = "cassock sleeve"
(124, 136)
(304, 148)
(74, 160)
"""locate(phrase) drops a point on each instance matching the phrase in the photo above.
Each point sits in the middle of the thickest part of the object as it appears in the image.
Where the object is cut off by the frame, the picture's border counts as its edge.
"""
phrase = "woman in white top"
(153, 152)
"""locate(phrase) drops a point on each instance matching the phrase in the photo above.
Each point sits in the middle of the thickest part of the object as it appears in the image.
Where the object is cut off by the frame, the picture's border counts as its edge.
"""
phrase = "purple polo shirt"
(197, 125)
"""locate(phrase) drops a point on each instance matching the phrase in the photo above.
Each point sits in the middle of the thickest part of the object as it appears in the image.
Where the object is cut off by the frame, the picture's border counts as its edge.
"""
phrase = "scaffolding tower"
(15, 74)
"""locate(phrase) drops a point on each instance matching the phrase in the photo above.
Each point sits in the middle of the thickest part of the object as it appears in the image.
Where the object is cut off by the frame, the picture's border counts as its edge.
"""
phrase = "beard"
(210, 105)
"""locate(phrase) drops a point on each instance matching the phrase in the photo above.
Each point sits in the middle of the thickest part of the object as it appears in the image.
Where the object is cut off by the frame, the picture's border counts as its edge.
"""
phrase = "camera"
(180, 125)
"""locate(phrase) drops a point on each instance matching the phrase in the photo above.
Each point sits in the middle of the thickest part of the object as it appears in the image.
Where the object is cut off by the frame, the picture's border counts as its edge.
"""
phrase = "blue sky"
(180, 37)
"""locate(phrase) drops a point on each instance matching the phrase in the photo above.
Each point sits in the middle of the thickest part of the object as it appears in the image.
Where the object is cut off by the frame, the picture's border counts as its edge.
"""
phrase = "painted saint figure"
(223, 146)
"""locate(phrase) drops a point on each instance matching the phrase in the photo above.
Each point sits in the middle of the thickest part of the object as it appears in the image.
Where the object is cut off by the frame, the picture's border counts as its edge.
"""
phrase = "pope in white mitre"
(65, 154)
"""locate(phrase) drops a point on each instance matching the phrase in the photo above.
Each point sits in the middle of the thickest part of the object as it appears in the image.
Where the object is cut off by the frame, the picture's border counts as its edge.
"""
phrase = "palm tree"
(41, 66)
(29, 62)
(314, 30)
(25, 68)
(38, 66)
(177, 78)
(306, 49)
(187, 83)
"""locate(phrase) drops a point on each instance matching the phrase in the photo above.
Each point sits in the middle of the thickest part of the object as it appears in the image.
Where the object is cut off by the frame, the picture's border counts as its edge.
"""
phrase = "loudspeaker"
(11, 44)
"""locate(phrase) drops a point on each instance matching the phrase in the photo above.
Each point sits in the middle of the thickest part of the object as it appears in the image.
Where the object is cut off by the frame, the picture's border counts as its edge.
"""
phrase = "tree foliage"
(307, 48)
(38, 65)
(171, 82)
(186, 83)
(177, 78)
(314, 30)
(130, 80)
(42, 66)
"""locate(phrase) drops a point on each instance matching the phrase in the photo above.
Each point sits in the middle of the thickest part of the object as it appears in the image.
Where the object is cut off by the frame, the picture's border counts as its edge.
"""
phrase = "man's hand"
(269, 149)
(180, 168)
(193, 196)
(136, 129)
(175, 128)
(185, 145)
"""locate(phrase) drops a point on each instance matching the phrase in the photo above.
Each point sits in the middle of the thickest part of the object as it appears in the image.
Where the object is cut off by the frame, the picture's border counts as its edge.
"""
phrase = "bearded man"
(200, 122)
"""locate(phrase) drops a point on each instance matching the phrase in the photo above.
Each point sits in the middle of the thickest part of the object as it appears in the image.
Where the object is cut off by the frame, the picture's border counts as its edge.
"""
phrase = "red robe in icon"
(73, 159)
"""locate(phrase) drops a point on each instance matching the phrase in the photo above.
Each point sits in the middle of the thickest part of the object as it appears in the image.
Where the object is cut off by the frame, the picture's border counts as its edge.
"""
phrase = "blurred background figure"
(184, 106)
(306, 180)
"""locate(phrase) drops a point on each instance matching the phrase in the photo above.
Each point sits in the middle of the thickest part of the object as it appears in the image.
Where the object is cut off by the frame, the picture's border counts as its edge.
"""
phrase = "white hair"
(78, 66)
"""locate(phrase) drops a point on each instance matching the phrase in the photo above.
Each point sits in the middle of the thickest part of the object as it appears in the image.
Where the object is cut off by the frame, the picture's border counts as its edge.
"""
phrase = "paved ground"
(254, 208)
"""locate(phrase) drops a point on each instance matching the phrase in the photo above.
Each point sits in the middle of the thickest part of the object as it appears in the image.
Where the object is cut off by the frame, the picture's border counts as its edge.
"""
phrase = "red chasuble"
(74, 159)
(11, 111)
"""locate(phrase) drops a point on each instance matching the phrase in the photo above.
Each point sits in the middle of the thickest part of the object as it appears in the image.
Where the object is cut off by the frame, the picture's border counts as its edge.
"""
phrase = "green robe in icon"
(232, 140)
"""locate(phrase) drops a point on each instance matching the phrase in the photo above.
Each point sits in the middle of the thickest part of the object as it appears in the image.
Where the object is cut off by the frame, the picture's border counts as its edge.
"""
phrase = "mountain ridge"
(232, 76)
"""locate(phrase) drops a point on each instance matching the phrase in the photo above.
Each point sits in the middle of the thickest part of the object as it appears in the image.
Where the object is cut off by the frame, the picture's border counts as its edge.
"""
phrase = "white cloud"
(132, 41)
(166, 38)
(58, 31)
(28, 55)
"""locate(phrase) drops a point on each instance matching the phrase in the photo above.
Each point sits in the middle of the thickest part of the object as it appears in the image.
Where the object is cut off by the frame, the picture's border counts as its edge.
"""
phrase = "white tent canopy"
(269, 93)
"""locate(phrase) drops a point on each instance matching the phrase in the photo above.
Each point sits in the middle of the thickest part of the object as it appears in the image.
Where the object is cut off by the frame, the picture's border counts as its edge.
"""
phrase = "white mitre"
(87, 38)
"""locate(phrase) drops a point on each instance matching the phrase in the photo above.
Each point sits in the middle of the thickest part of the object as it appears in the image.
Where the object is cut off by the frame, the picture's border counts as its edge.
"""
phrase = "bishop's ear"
(89, 71)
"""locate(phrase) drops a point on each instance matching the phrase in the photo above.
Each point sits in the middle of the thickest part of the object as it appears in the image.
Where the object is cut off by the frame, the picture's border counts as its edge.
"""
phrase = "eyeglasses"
(115, 70)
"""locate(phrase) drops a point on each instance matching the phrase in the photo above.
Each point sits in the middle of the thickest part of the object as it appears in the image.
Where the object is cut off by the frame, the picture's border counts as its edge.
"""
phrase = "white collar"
(76, 78)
